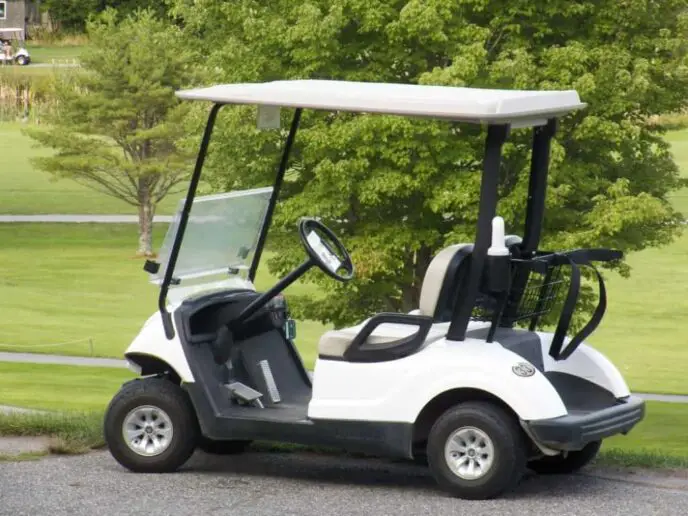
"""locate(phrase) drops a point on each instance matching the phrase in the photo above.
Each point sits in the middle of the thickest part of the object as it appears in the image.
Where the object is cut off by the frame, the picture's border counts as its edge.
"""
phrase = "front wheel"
(22, 60)
(476, 451)
(150, 426)
(566, 464)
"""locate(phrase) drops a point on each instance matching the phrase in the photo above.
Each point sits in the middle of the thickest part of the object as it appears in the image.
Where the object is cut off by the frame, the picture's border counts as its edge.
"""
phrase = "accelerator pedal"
(270, 381)
(244, 393)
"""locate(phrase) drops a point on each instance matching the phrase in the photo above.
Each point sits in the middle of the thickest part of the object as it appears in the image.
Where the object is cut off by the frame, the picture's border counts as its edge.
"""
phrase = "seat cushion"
(335, 342)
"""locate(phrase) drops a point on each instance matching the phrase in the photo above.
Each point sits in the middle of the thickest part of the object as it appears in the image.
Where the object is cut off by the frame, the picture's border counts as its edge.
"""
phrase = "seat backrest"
(441, 281)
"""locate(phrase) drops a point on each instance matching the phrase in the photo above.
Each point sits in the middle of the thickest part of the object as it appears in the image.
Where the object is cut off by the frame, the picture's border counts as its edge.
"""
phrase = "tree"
(119, 125)
(397, 190)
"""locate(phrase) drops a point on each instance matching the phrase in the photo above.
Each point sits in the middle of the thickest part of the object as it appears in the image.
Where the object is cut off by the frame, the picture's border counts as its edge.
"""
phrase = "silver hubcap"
(469, 453)
(147, 430)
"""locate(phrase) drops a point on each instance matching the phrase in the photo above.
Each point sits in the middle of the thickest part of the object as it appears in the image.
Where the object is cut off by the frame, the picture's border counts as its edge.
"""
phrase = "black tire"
(163, 395)
(22, 60)
(508, 446)
(222, 447)
(564, 465)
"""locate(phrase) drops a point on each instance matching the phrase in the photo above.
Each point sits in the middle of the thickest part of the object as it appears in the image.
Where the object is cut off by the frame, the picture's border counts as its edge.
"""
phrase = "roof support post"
(468, 291)
(284, 163)
(537, 187)
(184, 217)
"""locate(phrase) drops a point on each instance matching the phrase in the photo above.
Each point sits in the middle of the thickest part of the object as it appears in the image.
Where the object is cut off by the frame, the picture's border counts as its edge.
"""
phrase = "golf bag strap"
(574, 259)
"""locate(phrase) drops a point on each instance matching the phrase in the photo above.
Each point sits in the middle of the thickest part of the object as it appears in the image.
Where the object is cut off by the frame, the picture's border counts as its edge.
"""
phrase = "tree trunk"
(146, 212)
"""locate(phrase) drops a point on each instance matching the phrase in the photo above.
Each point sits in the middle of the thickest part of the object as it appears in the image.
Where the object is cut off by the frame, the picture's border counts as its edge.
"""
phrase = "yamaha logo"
(523, 369)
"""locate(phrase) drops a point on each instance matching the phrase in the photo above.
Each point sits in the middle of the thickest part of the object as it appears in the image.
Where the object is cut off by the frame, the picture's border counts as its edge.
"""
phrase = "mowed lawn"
(75, 285)
(25, 190)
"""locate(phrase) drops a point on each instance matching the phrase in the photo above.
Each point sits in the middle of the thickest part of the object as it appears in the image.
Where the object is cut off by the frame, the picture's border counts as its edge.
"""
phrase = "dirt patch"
(19, 445)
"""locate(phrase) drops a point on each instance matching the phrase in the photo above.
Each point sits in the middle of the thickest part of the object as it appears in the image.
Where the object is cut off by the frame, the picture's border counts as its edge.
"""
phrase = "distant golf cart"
(12, 48)
(465, 383)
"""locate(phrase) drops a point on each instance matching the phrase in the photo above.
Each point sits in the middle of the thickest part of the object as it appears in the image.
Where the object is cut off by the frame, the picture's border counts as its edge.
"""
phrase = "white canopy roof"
(519, 107)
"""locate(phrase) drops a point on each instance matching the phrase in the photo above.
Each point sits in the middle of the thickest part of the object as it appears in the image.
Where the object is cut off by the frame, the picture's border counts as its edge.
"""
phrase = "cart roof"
(522, 107)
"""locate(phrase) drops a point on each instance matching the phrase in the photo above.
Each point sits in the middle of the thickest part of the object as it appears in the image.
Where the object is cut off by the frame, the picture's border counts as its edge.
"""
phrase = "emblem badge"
(523, 369)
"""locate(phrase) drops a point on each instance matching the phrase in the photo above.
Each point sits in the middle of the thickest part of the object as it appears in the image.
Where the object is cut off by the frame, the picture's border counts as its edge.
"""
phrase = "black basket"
(534, 291)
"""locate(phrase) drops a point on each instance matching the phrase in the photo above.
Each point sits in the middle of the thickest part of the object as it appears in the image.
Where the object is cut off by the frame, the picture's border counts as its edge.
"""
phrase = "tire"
(222, 447)
(21, 60)
(136, 405)
(564, 465)
(503, 456)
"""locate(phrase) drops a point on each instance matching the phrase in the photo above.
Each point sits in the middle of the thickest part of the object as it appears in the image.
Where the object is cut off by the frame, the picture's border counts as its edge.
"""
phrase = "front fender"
(152, 341)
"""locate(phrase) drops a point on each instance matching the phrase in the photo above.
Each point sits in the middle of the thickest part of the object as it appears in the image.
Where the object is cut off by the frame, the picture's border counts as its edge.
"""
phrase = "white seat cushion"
(335, 342)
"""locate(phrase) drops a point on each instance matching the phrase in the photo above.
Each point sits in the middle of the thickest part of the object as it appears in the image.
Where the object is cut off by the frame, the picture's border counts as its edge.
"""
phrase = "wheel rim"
(147, 430)
(469, 453)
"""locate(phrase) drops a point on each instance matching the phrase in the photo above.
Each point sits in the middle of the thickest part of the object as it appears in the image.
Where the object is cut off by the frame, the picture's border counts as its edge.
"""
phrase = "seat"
(437, 295)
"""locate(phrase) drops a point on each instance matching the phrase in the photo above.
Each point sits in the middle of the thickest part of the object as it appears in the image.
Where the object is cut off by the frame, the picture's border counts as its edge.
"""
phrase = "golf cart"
(466, 382)
(12, 48)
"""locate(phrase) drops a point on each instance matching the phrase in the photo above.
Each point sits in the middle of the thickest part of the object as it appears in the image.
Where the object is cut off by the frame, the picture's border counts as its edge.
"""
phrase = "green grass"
(52, 53)
(59, 387)
(70, 432)
(27, 190)
(71, 282)
(644, 328)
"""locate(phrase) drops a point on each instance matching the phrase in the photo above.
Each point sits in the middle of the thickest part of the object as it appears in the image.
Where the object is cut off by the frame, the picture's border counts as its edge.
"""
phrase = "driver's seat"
(392, 336)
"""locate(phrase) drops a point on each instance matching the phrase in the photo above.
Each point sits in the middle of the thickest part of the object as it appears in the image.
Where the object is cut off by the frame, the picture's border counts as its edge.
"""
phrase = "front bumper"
(575, 430)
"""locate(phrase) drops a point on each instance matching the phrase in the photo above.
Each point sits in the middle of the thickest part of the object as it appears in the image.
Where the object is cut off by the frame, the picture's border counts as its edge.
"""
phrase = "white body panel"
(588, 363)
(396, 391)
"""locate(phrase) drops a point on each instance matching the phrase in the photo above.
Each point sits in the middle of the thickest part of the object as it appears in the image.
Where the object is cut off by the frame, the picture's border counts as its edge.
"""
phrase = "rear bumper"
(575, 430)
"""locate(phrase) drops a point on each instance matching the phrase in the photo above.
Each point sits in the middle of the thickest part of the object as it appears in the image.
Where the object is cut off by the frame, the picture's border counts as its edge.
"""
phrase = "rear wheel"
(150, 426)
(476, 451)
(565, 464)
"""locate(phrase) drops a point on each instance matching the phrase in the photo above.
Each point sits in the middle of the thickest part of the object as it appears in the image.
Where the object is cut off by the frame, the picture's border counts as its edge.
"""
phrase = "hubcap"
(469, 453)
(147, 430)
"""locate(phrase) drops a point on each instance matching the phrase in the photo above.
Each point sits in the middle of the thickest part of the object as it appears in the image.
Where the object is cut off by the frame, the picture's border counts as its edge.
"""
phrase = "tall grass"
(32, 97)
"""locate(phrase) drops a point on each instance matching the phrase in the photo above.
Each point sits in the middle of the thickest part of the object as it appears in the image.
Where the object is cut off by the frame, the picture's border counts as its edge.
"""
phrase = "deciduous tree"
(397, 190)
(119, 124)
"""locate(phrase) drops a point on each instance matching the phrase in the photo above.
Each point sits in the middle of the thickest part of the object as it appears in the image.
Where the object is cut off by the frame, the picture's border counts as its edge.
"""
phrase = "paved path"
(101, 219)
(309, 485)
(39, 358)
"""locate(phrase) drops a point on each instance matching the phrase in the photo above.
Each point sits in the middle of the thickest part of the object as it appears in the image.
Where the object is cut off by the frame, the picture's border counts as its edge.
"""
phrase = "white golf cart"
(464, 382)
(12, 48)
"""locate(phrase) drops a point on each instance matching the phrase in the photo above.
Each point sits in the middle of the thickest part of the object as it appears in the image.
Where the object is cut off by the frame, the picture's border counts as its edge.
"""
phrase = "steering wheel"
(320, 242)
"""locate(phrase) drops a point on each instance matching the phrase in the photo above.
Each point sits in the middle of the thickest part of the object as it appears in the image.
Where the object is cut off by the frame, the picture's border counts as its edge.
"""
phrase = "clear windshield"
(221, 235)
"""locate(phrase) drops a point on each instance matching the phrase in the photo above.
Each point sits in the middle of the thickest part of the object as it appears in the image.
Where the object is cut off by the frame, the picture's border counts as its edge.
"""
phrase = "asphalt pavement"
(303, 484)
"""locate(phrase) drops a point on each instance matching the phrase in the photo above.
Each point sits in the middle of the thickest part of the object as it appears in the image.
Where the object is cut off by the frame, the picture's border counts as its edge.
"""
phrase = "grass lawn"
(55, 387)
(70, 282)
(52, 53)
(25, 190)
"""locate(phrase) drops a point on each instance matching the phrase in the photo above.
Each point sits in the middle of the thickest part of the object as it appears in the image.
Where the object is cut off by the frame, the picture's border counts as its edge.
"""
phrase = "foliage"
(73, 15)
(116, 130)
(397, 190)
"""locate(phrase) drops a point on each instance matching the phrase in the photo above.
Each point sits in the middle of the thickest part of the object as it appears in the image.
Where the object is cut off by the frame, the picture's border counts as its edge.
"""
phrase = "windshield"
(221, 235)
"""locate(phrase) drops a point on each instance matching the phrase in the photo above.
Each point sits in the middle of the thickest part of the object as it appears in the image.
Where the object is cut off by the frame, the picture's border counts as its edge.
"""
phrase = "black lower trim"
(270, 424)
(575, 430)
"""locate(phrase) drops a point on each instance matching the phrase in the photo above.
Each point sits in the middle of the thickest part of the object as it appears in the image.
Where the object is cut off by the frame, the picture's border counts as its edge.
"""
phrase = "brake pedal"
(245, 393)
(270, 381)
